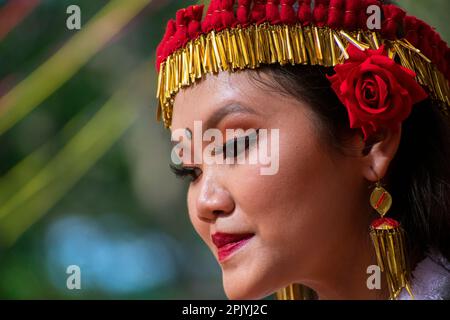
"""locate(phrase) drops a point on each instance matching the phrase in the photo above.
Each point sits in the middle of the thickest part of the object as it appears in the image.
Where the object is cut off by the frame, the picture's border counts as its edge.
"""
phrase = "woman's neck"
(350, 278)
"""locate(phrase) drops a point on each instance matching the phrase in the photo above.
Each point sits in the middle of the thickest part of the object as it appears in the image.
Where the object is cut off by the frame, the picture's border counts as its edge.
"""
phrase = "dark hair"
(419, 175)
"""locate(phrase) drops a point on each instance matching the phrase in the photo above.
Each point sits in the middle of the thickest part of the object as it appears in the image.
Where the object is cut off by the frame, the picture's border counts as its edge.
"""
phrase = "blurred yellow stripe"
(48, 77)
(49, 185)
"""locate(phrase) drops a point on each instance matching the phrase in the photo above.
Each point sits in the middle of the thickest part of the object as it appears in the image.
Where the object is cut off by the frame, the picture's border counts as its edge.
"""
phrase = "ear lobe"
(381, 154)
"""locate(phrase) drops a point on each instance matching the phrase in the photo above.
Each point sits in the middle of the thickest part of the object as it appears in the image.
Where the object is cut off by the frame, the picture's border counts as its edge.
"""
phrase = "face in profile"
(307, 223)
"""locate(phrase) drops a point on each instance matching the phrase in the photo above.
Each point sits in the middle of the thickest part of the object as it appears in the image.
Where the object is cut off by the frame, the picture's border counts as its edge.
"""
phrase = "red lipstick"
(227, 243)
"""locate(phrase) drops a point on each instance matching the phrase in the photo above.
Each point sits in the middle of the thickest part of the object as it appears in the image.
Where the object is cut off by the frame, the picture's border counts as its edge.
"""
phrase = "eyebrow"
(225, 111)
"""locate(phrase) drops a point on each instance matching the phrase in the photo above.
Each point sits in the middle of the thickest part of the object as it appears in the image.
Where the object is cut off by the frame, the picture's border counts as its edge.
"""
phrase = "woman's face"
(307, 221)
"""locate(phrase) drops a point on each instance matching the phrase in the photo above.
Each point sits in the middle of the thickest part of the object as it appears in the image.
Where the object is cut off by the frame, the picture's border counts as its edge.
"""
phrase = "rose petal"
(355, 54)
(383, 91)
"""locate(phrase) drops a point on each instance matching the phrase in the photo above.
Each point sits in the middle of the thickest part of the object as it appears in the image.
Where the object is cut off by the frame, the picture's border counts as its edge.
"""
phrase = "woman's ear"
(380, 154)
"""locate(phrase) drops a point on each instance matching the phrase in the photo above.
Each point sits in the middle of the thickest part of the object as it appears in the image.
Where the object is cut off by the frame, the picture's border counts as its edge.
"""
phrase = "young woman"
(357, 123)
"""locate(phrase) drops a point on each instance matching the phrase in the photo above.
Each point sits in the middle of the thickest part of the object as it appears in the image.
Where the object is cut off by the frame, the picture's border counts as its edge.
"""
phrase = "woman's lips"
(227, 243)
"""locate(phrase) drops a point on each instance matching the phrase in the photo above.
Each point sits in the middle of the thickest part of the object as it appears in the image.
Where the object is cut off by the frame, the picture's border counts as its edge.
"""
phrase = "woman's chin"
(240, 295)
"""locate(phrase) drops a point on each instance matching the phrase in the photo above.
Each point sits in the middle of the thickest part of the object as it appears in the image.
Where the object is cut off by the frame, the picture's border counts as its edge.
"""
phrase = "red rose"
(377, 92)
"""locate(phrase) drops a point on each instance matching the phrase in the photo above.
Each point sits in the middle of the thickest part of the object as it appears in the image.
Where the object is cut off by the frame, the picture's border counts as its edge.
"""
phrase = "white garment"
(430, 279)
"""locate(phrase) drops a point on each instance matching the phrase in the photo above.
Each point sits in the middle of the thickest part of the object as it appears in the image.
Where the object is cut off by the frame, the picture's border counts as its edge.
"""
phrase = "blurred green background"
(84, 177)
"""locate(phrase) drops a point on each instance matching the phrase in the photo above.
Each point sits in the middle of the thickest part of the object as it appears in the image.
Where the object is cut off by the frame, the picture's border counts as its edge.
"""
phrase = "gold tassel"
(295, 291)
(389, 241)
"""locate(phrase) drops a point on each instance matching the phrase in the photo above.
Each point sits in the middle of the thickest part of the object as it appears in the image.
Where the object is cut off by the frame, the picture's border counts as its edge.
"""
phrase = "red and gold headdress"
(379, 73)
(292, 32)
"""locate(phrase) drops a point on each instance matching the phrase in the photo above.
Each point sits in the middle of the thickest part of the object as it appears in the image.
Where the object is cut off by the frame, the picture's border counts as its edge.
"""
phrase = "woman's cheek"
(249, 188)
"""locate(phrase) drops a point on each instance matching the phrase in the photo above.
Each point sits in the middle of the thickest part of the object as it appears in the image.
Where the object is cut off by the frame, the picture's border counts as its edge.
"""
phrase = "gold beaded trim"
(249, 47)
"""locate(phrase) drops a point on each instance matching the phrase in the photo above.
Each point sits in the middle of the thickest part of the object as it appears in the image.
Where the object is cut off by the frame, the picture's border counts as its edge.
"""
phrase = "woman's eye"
(186, 172)
(237, 145)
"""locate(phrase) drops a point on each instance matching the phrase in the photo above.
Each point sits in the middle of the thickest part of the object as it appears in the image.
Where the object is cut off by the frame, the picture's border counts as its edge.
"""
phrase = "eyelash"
(194, 172)
(184, 172)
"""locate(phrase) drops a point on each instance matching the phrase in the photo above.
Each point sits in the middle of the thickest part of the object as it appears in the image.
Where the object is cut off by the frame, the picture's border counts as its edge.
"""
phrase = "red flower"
(377, 92)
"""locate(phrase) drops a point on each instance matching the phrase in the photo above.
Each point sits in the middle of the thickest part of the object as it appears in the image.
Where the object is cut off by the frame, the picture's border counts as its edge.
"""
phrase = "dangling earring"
(389, 241)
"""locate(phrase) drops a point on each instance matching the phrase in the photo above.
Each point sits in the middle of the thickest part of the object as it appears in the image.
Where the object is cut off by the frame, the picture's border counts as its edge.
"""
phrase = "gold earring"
(389, 241)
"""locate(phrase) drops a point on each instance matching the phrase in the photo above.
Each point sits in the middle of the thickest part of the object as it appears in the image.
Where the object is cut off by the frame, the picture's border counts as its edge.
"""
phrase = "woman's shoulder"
(430, 279)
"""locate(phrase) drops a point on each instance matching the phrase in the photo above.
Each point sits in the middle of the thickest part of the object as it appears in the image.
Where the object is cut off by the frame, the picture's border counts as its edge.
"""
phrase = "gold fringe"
(388, 243)
(295, 291)
(239, 48)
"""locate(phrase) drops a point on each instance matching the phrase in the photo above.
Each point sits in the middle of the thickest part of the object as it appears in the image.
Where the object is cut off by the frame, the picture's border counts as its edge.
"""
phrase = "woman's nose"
(213, 200)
